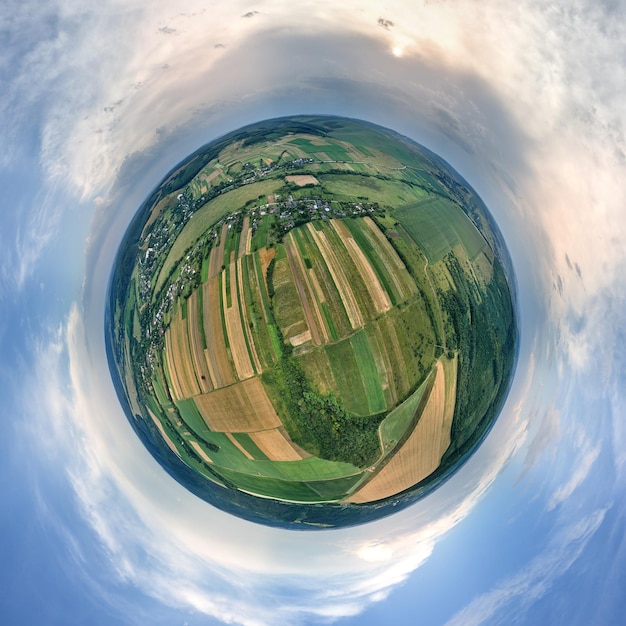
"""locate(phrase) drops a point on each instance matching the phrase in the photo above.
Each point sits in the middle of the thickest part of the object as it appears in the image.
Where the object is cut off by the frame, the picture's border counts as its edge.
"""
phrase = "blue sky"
(526, 100)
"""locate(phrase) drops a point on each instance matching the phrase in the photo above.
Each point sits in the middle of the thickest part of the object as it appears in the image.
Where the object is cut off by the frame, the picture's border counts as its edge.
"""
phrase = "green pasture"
(335, 489)
(437, 225)
(271, 487)
(369, 372)
(347, 374)
(350, 187)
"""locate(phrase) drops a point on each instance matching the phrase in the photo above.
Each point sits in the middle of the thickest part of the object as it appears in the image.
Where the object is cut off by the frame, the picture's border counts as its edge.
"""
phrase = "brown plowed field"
(422, 452)
(240, 408)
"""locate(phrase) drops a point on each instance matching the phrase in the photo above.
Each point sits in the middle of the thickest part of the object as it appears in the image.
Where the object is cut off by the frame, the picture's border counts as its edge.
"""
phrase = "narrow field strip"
(164, 434)
(201, 453)
(244, 239)
(171, 369)
(244, 319)
(216, 259)
(234, 329)
(182, 360)
(216, 354)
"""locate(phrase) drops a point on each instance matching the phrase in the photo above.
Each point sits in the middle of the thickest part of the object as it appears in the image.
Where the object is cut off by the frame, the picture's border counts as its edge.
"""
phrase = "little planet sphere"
(311, 322)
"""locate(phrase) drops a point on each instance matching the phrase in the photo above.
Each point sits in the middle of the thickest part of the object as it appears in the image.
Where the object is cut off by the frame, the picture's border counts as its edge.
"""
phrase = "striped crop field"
(369, 373)
(339, 277)
(195, 331)
(234, 328)
(179, 358)
(287, 305)
(309, 305)
(245, 238)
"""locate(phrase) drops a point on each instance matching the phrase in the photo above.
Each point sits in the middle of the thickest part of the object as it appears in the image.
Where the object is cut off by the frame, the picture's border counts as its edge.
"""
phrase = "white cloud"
(581, 470)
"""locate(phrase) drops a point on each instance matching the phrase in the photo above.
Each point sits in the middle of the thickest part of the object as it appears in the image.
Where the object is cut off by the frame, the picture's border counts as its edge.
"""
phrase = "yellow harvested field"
(240, 447)
(240, 408)
(216, 353)
(203, 375)
(421, 454)
(276, 445)
(201, 453)
(339, 277)
(302, 179)
(234, 329)
(377, 293)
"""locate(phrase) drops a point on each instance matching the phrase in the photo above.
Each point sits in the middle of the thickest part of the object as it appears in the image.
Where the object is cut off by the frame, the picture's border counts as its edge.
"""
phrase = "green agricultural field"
(438, 225)
(369, 373)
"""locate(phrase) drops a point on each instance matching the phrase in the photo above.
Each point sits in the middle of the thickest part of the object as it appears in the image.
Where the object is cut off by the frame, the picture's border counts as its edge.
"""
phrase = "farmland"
(307, 311)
